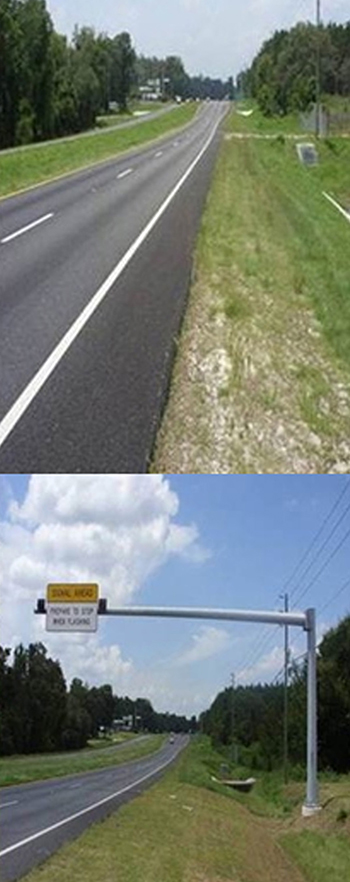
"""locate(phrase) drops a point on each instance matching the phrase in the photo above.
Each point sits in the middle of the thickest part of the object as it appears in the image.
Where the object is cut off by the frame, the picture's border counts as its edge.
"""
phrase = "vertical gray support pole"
(285, 715)
(318, 68)
(311, 805)
(232, 714)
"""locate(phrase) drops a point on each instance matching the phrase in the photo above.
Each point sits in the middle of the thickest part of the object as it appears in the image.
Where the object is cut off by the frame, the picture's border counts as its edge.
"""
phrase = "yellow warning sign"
(80, 593)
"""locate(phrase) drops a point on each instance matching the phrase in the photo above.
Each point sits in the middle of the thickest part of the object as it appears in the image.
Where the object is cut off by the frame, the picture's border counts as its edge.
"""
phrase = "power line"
(325, 564)
(258, 650)
(264, 639)
(258, 647)
(316, 537)
(334, 596)
(321, 549)
(277, 676)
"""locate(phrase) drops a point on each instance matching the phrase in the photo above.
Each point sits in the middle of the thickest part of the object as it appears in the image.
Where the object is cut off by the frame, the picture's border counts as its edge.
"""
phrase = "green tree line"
(50, 87)
(282, 77)
(174, 80)
(38, 713)
(251, 717)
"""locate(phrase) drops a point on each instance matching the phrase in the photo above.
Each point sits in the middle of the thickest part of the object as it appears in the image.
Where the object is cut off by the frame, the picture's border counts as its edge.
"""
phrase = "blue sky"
(212, 541)
(215, 38)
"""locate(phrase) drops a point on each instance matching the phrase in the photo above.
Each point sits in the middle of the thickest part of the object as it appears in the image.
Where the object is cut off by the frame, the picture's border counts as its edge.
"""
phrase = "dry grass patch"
(178, 833)
(262, 378)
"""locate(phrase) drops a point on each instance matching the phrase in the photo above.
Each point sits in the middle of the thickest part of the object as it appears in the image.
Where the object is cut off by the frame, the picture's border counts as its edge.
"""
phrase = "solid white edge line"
(19, 407)
(13, 802)
(160, 153)
(124, 173)
(89, 808)
(339, 207)
(28, 227)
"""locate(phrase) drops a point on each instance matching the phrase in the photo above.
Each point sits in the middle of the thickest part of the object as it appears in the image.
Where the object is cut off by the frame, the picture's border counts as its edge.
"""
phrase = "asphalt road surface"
(36, 819)
(94, 274)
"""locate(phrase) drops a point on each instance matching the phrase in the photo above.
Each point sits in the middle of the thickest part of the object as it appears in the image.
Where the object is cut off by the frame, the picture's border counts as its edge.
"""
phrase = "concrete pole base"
(308, 810)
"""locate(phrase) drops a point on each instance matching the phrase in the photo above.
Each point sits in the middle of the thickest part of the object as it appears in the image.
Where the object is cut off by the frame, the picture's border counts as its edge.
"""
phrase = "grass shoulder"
(187, 827)
(261, 382)
(37, 767)
(20, 169)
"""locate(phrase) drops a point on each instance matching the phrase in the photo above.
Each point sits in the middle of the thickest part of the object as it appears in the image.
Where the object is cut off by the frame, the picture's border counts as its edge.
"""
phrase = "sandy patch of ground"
(256, 394)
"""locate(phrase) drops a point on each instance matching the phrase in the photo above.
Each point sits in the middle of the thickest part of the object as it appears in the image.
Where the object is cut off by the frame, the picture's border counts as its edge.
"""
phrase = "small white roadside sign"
(71, 617)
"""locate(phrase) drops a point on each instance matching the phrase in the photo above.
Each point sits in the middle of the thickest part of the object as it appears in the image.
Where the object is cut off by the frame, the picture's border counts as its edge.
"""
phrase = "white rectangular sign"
(71, 616)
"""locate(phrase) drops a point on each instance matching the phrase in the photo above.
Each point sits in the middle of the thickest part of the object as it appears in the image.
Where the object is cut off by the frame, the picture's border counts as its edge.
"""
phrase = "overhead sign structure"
(71, 607)
(75, 608)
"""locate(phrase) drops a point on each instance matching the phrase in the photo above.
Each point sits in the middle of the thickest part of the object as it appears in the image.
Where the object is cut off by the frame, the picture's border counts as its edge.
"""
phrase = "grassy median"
(23, 168)
(187, 828)
(262, 378)
(36, 767)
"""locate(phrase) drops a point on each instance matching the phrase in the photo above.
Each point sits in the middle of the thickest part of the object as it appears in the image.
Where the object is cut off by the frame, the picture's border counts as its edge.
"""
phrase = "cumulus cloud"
(264, 668)
(271, 663)
(207, 642)
(112, 529)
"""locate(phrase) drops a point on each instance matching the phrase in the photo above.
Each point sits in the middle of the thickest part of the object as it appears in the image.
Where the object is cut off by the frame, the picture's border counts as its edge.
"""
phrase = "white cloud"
(112, 529)
(207, 642)
(217, 39)
(265, 668)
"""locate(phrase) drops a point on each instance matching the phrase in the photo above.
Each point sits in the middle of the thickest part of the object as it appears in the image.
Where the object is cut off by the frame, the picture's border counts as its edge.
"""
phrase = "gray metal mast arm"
(235, 615)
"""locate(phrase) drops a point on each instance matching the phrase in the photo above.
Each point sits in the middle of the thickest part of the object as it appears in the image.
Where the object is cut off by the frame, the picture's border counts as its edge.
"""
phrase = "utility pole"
(234, 744)
(318, 68)
(285, 715)
(233, 713)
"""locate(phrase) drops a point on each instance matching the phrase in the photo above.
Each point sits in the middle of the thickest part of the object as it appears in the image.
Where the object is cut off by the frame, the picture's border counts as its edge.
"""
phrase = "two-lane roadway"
(94, 274)
(36, 819)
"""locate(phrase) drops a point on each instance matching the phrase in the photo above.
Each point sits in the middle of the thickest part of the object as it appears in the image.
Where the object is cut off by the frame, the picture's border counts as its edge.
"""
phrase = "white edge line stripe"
(31, 390)
(28, 227)
(339, 207)
(13, 802)
(126, 172)
(89, 808)
(160, 153)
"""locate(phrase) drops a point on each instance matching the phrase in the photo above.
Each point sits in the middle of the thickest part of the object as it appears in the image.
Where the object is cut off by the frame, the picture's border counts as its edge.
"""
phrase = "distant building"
(151, 91)
(124, 724)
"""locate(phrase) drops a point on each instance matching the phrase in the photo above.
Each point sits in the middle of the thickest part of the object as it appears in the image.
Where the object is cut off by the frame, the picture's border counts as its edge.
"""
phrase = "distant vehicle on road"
(171, 739)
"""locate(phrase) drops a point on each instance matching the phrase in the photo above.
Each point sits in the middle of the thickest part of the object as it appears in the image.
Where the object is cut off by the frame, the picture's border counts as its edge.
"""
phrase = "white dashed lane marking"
(124, 173)
(20, 232)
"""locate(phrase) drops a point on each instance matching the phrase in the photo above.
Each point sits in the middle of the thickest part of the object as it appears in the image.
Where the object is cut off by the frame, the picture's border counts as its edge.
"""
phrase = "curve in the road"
(27, 838)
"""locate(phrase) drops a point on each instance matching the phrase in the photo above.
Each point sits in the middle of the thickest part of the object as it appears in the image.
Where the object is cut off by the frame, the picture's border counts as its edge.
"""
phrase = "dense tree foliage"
(50, 87)
(32, 701)
(37, 713)
(334, 697)
(282, 76)
(252, 716)
(174, 81)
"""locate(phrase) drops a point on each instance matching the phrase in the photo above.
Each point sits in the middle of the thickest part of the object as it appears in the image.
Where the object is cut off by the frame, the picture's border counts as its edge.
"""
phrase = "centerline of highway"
(124, 173)
(25, 229)
(88, 808)
(29, 393)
